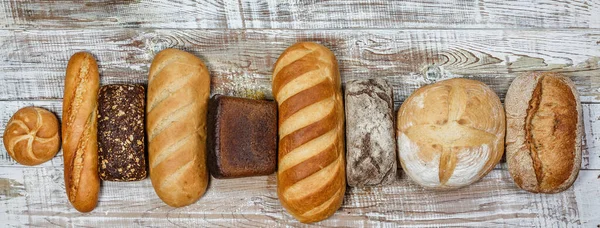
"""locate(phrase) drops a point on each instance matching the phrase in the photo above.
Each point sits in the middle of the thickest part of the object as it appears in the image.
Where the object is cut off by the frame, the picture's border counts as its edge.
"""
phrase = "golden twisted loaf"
(178, 92)
(310, 178)
(79, 131)
(31, 136)
(451, 133)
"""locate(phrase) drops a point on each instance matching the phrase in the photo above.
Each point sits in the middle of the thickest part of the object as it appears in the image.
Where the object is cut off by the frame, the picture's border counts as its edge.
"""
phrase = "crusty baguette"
(178, 92)
(311, 179)
(79, 131)
(544, 130)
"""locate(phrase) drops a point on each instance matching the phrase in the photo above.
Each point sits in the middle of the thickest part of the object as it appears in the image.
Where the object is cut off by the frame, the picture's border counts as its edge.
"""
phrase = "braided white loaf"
(178, 91)
(311, 180)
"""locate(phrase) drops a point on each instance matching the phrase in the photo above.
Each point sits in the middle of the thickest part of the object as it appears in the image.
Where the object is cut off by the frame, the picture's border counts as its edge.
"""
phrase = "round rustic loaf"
(451, 133)
(31, 136)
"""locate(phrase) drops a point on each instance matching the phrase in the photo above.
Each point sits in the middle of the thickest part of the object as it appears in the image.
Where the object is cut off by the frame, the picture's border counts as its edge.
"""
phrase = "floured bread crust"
(543, 132)
(451, 133)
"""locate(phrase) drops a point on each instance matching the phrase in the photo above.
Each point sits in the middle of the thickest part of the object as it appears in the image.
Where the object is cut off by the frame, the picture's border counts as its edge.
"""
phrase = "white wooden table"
(410, 43)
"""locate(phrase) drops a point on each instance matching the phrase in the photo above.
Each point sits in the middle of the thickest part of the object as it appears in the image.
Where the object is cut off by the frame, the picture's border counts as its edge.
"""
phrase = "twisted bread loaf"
(310, 179)
(79, 131)
(178, 90)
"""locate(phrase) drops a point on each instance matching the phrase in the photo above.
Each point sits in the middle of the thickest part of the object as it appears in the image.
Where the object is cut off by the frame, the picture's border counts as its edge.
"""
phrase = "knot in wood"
(432, 73)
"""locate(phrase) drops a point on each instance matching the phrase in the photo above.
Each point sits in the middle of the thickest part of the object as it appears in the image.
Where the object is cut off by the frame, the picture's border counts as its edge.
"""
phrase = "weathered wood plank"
(33, 61)
(587, 194)
(36, 197)
(591, 119)
(336, 14)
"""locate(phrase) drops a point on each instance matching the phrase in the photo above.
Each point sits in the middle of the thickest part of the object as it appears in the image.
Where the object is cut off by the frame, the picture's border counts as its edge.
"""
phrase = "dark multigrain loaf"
(121, 133)
(370, 142)
(242, 137)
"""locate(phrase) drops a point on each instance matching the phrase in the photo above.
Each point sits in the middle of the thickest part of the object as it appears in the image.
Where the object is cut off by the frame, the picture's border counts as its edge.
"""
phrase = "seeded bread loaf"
(121, 149)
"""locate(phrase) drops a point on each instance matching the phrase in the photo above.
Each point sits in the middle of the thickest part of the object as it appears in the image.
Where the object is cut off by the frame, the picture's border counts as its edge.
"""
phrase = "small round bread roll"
(451, 133)
(31, 136)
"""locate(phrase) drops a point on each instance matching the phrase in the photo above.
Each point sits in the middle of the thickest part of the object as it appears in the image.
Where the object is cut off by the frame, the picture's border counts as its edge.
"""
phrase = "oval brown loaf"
(31, 136)
(544, 130)
(79, 131)
(306, 85)
(178, 92)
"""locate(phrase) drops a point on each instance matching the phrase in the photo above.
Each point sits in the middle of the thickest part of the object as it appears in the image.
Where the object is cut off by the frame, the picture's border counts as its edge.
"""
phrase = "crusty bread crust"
(544, 130)
(311, 181)
(178, 92)
(451, 133)
(31, 136)
(79, 131)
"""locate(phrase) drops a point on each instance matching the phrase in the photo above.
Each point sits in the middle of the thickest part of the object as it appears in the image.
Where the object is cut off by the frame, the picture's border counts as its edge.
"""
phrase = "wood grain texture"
(241, 61)
(252, 14)
(36, 198)
(409, 43)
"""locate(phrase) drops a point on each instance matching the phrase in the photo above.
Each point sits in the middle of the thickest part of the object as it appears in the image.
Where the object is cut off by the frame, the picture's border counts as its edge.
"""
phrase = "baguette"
(178, 92)
(79, 131)
(311, 179)
(544, 130)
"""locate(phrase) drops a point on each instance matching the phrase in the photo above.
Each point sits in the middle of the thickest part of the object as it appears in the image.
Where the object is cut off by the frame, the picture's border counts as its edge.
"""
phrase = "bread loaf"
(242, 137)
(178, 92)
(544, 130)
(370, 137)
(451, 133)
(31, 136)
(121, 141)
(79, 131)
(306, 85)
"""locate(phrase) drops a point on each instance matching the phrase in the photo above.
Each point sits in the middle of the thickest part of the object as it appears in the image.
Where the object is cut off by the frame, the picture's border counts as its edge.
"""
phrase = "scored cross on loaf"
(451, 133)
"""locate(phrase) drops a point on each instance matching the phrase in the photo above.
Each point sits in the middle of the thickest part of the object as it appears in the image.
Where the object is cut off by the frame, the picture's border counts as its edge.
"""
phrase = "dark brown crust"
(121, 133)
(242, 137)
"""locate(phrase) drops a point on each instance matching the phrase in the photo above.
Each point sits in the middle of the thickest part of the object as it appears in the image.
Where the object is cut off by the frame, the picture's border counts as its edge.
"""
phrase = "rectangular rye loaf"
(370, 142)
(242, 137)
(121, 148)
